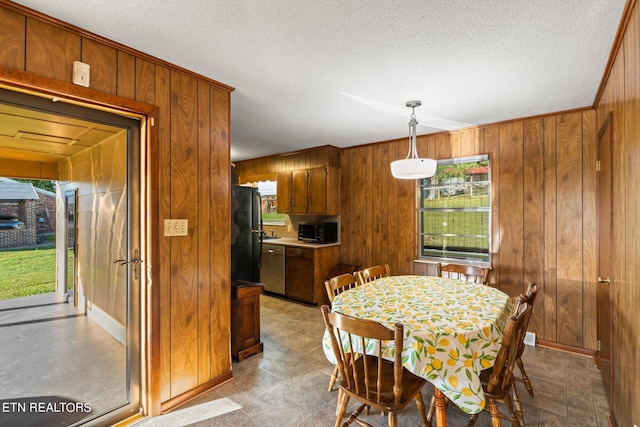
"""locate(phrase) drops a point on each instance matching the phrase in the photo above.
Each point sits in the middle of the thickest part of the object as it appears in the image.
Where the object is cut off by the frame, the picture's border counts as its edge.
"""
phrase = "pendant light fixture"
(413, 167)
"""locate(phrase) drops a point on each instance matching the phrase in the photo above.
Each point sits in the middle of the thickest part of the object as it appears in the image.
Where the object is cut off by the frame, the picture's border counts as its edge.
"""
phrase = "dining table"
(452, 331)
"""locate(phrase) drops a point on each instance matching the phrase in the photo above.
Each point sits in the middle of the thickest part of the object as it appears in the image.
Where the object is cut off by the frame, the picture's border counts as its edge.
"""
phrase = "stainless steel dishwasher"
(272, 268)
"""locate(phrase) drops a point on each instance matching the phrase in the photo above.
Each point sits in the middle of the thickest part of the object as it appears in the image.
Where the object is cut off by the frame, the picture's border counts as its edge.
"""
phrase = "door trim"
(606, 367)
(74, 195)
(148, 115)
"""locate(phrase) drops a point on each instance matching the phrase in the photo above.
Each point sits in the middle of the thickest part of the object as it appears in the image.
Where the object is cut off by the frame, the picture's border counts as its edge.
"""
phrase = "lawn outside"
(27, 272)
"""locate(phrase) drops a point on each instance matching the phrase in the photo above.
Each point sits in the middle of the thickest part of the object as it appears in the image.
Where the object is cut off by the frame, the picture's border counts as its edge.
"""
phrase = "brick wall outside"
(15, 238)
(26, 212)
(9, 209)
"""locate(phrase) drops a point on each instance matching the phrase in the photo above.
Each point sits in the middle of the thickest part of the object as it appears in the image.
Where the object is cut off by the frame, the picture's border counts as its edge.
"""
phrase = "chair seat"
(385, 402)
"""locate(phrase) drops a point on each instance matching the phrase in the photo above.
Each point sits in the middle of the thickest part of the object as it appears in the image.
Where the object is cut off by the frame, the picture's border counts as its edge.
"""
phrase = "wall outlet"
(530, 339)
(176, 227)
(289, 228)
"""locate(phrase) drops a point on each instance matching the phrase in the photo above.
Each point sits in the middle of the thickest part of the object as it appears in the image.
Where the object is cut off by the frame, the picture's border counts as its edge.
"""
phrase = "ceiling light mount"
(413, 167)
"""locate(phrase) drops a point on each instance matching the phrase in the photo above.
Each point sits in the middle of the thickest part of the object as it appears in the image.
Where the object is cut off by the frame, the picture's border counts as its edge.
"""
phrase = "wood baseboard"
(566, 348)
(177, 401)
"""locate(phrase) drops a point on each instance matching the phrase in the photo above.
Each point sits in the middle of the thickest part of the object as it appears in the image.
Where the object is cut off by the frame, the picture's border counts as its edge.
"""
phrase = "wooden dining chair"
(499, 380)
(372, 380)
(469, 273)
(529, 298)
(335, 286)
(372, 273)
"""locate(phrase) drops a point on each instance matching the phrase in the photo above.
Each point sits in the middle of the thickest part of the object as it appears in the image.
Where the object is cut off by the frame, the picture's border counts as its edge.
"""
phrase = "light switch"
(176, 227)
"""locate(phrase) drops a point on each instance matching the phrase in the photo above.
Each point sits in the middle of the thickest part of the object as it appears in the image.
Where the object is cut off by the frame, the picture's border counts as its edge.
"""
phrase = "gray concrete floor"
(287, 384)
(49, 355)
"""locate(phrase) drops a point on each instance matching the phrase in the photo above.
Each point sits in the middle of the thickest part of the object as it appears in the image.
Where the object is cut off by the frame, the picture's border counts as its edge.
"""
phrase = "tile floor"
(287, 384)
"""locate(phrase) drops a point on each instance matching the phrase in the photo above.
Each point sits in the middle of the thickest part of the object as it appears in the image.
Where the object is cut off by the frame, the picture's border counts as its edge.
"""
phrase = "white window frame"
(451, 256)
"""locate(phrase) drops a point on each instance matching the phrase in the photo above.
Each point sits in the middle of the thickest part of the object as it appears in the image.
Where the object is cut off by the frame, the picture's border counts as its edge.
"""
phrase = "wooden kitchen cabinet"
(299, 273)
(306, 269)
(283, 192)
(292, 192)
(299, 192)
(309, 191)
(245, 319)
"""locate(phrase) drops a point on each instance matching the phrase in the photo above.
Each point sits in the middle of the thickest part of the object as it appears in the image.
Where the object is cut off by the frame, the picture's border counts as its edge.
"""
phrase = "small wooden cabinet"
(309, 191)
(306, 269)
(245, 319)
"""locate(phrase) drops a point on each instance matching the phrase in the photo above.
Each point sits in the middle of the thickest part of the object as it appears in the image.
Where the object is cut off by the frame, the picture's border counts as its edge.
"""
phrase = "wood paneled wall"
(621, 97)
(543, 213)
(192, 176)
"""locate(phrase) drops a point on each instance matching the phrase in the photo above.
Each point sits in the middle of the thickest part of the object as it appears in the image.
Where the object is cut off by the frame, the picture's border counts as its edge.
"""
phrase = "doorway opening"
(78, 348)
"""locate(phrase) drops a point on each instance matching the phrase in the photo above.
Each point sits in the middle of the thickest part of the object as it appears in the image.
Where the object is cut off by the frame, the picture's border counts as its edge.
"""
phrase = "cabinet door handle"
(604, 279)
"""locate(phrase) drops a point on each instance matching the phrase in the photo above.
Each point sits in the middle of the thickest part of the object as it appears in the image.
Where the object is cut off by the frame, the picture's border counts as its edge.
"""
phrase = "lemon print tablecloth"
(453, 329)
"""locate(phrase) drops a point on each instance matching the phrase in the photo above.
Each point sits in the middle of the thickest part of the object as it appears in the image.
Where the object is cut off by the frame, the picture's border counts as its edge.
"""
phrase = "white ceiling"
(316, 72)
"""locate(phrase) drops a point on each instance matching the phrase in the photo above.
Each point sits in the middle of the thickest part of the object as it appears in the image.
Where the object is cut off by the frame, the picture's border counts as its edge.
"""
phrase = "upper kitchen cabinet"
(292, 192)
(309, 191)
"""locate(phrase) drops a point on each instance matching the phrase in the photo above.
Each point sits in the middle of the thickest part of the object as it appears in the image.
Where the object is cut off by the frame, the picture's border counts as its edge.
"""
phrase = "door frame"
(66, 196)
(604, 364)
(148, 115)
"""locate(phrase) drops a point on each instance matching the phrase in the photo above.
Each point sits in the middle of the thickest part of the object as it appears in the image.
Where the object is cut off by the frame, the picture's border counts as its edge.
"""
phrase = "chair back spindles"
(372, 273)
(336, 285)
(467, 273)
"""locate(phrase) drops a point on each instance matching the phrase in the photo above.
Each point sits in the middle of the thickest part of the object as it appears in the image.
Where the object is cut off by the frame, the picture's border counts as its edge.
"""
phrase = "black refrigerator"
(246, 228)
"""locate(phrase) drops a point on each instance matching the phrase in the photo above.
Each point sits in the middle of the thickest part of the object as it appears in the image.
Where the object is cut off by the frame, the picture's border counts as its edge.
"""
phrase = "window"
(455, 211)
(270, 215)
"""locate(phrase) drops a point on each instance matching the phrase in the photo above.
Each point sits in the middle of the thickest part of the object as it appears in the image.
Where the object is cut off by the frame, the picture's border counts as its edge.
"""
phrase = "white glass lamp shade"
(413, 168)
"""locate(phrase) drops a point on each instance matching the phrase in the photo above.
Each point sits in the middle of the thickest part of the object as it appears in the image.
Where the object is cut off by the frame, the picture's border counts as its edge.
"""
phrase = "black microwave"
(324, 232)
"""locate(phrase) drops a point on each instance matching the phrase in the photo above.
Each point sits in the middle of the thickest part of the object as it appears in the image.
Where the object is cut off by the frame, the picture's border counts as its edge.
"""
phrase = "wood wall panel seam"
(549, 287)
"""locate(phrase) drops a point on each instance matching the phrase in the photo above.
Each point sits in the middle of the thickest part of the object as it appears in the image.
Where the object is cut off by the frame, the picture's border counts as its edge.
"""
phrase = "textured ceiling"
(339, 72)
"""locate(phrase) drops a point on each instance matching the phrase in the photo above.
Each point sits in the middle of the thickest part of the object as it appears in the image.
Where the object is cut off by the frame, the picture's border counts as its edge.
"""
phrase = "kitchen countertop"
(292, 241)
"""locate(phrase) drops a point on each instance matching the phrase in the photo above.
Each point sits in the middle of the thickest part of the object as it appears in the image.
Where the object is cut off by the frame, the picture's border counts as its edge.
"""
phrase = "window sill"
(429, 260)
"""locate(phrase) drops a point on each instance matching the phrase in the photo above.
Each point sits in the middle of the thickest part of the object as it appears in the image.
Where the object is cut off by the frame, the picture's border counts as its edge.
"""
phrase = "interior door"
(98, 156)
(604, 200)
